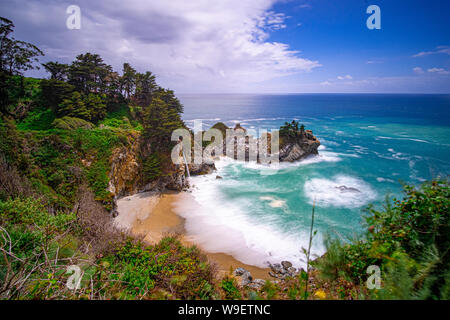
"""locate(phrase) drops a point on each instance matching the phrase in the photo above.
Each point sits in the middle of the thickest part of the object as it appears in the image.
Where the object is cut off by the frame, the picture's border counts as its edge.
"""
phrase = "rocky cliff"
(126, 174)
(300, 147)
(295, 147)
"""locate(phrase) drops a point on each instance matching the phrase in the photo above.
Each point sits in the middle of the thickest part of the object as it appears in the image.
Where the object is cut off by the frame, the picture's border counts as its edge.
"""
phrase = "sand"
(134, 208)
(152, 216)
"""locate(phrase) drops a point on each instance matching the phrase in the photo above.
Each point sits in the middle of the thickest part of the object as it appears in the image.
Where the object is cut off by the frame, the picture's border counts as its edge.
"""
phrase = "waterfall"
(185, 162)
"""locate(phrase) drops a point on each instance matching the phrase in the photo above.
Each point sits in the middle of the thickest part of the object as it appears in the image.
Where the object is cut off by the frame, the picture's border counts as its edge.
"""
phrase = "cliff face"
(126, 174)
(299, 148)
(125, 169)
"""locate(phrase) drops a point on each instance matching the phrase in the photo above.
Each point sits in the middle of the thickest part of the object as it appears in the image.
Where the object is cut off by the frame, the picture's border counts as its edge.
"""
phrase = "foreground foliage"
(408, 240)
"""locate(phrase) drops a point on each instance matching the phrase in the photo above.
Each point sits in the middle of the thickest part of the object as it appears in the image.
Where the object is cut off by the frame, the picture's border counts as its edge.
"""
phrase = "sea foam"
(341, 191)
(220, 225)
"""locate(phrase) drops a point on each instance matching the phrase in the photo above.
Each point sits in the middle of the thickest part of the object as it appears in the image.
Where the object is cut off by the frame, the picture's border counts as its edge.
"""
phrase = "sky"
(252, 46)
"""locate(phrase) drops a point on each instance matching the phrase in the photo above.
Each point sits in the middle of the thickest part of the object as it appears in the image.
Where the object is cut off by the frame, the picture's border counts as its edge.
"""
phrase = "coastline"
(152, 217)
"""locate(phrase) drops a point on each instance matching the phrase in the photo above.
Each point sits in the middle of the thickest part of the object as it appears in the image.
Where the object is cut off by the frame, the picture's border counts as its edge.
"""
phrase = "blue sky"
(253, 46)
(335, 34)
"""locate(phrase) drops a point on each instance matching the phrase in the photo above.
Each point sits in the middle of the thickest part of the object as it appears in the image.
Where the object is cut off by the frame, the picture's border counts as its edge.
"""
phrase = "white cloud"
(325, 83)
(346, 77)
(305, 6)
(418, 70)
(439, 71)
(438, 50)
(192, 46)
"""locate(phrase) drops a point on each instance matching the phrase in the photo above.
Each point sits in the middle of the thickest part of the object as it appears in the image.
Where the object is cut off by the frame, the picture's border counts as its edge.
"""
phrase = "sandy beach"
(152, 216)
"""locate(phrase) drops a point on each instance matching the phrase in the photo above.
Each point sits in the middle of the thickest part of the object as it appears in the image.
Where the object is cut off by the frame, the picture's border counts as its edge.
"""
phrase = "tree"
(128, 80)
(55, 91)
(159, 121)
(96, 106)
(74, 107)
(89, 74)
(15, 57)
(6, 28)
(91, 107)
(145, 87)
(171, 100)
(58, 71)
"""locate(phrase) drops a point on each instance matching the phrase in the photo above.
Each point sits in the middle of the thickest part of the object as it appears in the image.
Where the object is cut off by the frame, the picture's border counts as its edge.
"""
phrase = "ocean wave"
(200, 119)
(218, 225)
(341, 191)
(324, 156)
(273, 202)
(409, 139)
(381, 179)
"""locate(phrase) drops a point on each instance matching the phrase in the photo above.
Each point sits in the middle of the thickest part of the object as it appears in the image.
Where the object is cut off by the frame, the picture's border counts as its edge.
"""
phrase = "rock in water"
(300, 147)
(286, 264)
(200, 169)
(348, 189)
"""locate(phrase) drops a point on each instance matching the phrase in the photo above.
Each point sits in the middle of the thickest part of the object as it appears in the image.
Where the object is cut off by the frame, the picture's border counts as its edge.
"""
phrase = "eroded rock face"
(124, 168)
(125, 176)
(199, 169)
(299, 149)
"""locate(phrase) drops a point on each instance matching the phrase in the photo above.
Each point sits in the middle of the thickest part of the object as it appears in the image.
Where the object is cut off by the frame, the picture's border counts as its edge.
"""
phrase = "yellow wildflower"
(320, 294)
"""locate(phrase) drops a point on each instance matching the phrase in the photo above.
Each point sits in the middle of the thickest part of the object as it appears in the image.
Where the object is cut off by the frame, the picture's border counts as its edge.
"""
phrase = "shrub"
(408, 239)
(31, 212)
(152, 167)
(70, 123)
(38, 119)
(182, 271)
(229, 286)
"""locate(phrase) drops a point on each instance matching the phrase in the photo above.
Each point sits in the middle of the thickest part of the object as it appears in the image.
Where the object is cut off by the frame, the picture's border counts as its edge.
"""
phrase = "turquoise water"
(371, 143)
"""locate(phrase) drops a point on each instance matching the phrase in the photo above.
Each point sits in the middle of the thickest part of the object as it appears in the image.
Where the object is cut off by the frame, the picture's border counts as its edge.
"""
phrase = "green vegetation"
(221, 127)
(69, 123)
(176, 271)
(230, 287)
(61, 131)
(152, 166)
(292, 130)
(408, 240)
(57, 138)
(38, 248)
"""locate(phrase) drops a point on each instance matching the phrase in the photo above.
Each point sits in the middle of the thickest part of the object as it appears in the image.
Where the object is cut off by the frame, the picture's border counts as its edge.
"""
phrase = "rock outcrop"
(348, 189)
(199, 169)
(283, 270)
(125, 168)
(301, 147)
(247, 279)
(126, 178)
(295, 148)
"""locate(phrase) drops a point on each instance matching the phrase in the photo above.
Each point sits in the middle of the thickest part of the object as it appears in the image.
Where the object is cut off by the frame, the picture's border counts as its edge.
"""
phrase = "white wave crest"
(342, 191)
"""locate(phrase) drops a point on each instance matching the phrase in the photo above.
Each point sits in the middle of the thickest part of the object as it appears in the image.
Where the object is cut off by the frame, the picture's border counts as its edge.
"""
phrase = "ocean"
(373, 143)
